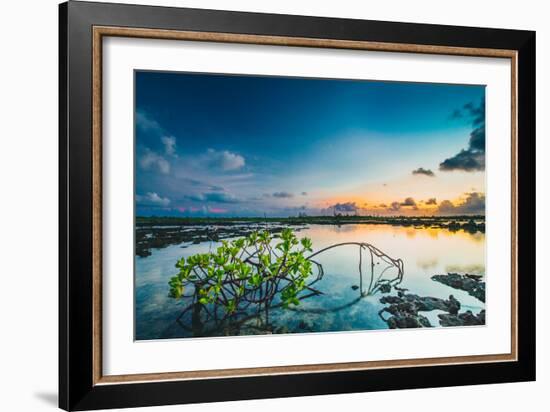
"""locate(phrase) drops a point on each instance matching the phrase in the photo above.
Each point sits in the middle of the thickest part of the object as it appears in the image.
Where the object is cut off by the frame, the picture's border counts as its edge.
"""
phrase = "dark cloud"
(422, 171)
(304, 193)
(456, 114)
(409, 202)
(382, 205)
(431, 201)
(345, 207)
(394, 207)
(283, 194)
(472, 158)
(446, 207)
(474, 204)
(467, 160)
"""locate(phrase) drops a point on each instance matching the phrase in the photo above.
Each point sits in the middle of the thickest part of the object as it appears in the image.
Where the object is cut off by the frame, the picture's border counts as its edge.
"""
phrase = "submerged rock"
(473, 284)
(406, 321)
(404, 309)
(463, 319)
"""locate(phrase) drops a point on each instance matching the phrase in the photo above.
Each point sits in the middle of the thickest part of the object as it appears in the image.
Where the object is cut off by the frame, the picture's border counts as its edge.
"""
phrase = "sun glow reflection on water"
(424, 251)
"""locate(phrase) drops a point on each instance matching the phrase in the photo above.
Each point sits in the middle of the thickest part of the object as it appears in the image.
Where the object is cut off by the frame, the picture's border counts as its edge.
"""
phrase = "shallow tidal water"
(425, 252)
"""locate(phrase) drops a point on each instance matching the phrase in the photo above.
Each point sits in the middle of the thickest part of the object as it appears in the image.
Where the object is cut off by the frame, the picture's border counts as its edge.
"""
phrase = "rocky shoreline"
(158, 237)
(404, 309)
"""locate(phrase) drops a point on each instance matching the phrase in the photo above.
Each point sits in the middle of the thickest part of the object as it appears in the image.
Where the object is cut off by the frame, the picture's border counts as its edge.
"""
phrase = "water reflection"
(350, 295)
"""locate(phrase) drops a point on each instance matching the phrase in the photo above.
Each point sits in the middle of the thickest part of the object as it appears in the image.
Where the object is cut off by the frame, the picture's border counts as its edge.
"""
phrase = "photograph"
(268, 205)
(283, 203)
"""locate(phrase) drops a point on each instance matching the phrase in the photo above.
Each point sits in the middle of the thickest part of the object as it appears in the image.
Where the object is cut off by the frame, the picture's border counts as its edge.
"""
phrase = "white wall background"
(28, 205)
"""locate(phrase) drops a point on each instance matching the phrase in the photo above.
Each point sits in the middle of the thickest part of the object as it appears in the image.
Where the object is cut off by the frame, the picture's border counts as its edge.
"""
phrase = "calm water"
(425, 252)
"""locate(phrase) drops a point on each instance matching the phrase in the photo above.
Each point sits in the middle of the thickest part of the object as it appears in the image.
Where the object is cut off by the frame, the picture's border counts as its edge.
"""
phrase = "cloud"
(224, 160)
(152, 199)
(474, 203)
(214, 197)
(409, 202)
(446, 206)
(150, 160)
(467, 160)
(145, 123)
(283, 195)
(220, 197)
(456, 114)
(148, 125)
(345, 207)
(394, 207)
(169, 143)
(304, 193)
(422, 171)
(473, 158)
(431, 201)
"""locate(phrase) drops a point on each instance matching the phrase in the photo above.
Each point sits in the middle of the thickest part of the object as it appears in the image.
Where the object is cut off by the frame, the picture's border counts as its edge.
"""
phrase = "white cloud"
(153, 161)
(169, 143)
(144, 122)
(231, 161)
(152, 199)
(225, 159)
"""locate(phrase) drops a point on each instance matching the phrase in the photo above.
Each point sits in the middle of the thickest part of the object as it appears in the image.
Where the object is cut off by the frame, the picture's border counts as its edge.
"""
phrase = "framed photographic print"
(257, 205)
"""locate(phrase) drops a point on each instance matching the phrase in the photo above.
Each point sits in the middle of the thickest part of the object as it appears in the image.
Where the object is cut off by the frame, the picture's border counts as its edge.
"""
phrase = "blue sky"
(227, 145)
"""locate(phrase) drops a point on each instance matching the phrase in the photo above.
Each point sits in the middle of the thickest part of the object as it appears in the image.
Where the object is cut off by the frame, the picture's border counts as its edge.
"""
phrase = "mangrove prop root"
(264, 295)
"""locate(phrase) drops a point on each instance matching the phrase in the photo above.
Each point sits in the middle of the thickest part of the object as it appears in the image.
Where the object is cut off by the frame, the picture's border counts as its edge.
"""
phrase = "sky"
(234, 145)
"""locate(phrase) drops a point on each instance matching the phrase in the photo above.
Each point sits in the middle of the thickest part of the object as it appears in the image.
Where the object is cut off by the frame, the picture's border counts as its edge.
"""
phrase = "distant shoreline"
(305, 220)
(158, 232)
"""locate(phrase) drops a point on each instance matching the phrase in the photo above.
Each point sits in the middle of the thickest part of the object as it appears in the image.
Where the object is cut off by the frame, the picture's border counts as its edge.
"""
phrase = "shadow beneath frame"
(49, 398)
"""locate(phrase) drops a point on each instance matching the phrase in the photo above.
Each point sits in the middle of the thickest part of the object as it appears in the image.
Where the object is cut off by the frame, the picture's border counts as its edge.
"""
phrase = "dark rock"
(404, 309)
(453, 305)
(142, 252)
(355, 287)
(463, 319)
(166, 233)
(305, 325)
(468, 283)
(282, 329)
(407, 321)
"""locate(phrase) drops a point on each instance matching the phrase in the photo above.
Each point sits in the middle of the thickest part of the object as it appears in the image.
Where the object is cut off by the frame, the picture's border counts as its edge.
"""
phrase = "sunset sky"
(219, 145)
